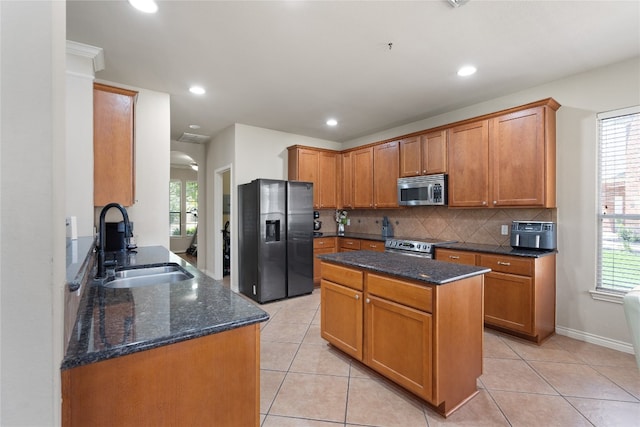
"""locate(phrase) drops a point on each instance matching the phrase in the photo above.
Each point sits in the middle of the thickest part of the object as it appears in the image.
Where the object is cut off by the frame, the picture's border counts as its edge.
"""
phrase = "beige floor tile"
(605, 413)
(379, 403)
(284, 332)
(293, 315)
(628, 379)
(358, 370)
(318, 397)
(270, 382)
(313, 336)
(321, 359)
(277, 356)
(480, 411)
(580, 381)
(513, 375)
(595, 354)
(276, 421)
(528, 409)
(548, 352)
(316, 318)
(495, 347)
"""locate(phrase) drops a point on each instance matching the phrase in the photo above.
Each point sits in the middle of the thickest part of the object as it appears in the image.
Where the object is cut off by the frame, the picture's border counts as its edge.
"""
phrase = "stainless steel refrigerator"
(275, 244)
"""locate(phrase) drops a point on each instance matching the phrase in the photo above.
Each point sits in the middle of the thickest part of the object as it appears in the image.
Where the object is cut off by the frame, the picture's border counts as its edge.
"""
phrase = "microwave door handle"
(430, 192)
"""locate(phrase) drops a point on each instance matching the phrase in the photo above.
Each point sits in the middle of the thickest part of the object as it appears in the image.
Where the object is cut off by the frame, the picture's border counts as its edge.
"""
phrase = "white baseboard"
(595, 339)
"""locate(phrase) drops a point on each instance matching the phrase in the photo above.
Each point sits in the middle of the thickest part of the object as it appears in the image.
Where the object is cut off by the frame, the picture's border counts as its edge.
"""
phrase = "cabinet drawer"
(458, 257)
(507, 264)
(415, 296)
(343, 275)
(324, 242)
(372, 245)
(353, 244)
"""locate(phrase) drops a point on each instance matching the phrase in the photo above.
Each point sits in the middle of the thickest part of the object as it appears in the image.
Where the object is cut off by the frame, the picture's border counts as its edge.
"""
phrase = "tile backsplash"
(439, 222)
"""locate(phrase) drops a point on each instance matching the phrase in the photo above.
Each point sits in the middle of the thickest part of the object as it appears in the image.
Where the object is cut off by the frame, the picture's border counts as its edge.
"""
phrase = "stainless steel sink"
(148, 276)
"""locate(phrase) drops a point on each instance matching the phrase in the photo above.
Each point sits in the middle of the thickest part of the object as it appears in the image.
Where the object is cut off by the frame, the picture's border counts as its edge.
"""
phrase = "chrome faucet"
(101, 273)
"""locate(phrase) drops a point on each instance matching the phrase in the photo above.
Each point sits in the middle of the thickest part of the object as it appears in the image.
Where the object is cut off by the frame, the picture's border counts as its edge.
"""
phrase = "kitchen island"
(417, 321)
(183, 353)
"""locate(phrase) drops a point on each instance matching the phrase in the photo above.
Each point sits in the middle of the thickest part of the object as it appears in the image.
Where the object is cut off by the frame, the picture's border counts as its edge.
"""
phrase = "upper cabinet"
(506, 160)
(385, 175)
(346, 178)
(113, 145)
(319, 167)
(424, 154)
(362, 187)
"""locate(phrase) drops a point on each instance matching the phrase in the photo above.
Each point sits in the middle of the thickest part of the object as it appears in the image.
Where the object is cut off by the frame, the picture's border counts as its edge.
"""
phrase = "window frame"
(612, 292)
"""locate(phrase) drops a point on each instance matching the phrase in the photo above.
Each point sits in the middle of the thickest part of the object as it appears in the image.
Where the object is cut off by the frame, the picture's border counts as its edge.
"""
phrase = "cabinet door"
(308, 171)
(399, 344)
(508, 301)
(434, 152)
(317, 263)
(410, 157)
(113, 146)
(385, 175)
(341, 319)
(347, 180)
(327, 182)
(517, 158)
(363, 178)
(372, 245)
(468, 153)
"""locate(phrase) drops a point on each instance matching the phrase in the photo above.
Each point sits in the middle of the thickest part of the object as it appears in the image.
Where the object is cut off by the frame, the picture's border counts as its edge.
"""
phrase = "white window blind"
(619, 200)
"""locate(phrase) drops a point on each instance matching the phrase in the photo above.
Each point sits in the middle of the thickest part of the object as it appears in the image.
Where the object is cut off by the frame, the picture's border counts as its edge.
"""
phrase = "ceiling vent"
(194, 138)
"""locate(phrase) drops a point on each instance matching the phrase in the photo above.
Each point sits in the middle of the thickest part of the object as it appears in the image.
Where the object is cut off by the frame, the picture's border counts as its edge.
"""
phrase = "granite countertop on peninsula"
(499, 250)
(117, 322)
(406, 266)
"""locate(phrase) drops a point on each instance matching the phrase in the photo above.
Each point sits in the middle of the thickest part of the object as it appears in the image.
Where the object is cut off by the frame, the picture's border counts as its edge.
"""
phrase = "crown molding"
(96, 54)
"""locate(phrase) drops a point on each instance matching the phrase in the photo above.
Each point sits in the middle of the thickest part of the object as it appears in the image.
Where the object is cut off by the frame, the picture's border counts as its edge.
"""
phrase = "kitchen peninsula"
(417, 321)
(183, 353)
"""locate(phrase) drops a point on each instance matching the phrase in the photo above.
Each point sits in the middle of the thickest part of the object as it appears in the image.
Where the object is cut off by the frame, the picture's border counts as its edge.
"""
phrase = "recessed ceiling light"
(332, 122)
(194, 126)
(467, 70)
(197, 90)
(146, 6)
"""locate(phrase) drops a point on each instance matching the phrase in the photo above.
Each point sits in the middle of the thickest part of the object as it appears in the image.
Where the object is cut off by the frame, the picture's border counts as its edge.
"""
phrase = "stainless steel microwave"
(423, 190)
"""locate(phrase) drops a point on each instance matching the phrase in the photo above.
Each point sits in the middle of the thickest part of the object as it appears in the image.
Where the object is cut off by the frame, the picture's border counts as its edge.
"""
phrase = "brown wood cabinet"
(321, 245)
(413, 332)
(362, 188)
(372, 245)
(385, 175)
(113, 145)
(520, 292)
(212, 380)
(319, 167)
(346, 244)
(424, 154)
(346, 177)
(505, 160)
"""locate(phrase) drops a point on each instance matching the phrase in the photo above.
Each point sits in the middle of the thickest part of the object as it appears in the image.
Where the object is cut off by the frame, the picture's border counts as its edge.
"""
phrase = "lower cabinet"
(321, 245)
(519, 292)
(208, 381)
(425, 338)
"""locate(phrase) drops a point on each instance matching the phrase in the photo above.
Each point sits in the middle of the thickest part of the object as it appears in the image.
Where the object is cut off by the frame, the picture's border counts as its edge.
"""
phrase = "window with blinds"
(619, 200)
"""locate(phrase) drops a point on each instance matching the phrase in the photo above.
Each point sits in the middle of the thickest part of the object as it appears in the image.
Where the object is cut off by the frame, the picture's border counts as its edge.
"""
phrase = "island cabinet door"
(399, 344)
(341, 317)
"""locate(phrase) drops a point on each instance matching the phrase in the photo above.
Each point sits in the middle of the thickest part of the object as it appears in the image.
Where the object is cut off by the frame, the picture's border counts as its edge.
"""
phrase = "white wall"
(582, 96)
(32, 231)
(149, 213)
(79, 147)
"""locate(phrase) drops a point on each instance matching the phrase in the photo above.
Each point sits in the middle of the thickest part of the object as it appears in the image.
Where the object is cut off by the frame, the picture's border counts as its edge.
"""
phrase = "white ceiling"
(290, 65)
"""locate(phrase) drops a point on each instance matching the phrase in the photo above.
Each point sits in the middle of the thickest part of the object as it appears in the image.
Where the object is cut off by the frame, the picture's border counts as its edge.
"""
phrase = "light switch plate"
(505, 230)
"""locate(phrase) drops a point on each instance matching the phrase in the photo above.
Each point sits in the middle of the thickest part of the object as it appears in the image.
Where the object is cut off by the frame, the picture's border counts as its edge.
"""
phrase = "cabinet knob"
(368, 300)
(424, 172)
(484, 203)
(357, 296)
(495, 202)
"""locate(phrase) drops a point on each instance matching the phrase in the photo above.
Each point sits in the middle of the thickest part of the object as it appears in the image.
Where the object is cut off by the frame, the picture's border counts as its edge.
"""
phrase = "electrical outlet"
(348, 221)
(505, 230)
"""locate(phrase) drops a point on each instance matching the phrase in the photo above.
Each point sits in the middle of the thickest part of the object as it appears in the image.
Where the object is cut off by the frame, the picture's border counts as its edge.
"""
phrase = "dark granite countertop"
(116, 322)
(499, 250)
(406, 266)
